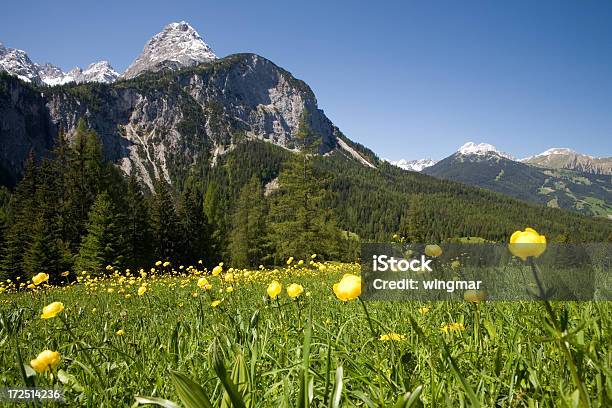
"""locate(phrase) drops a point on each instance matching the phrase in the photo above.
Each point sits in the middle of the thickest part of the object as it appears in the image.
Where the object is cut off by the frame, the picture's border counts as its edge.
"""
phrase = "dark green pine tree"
(213, 211)
(413, 225)
(84, 179)
(165, 225)
(195, 230)
(102, 244)
(44, 253)
(302, 222)
(249, 242)
(21, 212)
(47, 252)
(135, 224)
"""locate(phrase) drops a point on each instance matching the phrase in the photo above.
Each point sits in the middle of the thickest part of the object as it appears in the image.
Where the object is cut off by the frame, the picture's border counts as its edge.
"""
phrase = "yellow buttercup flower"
(294, 290)
(142, 290)
(46, 360)
(433, 250)
(455, 264)
(40, 278)
(215, 303)
(452, 327)
(217, 270)
(52, 310)
(524, 244)
(203, 283)
(392, 337)
(64, 274)
(348, 288)
(289, 260)
(274, 289)
(120, 332)
(424, 310)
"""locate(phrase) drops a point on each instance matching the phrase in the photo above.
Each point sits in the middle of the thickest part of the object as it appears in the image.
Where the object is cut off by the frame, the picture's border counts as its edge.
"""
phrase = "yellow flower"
(313, 256)
(474, 296)
(203, 283)
(158, 263)
(229, 289)
(452, 327)
(348, 288)
(527, 243)
(392, 337)
(46, 360)
(166, 264)
(217, 270)
(424, 310)
(40, 278)
(216, 303)
(229, 277)
(289, 260)
(274, 289)
(455, 264)
(433, 250)
(142, 290)
(294, 290)
(52, 310)
(64, 274)
(120, 332)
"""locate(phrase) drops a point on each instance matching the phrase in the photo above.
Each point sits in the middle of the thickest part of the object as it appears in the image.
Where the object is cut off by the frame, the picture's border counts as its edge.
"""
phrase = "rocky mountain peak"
(17, 62)
(178, 45)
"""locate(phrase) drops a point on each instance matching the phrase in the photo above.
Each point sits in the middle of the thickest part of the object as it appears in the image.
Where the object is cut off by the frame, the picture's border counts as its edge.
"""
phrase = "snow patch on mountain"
(482, 149)
(413, 165)
(178, 45)
(17, 62)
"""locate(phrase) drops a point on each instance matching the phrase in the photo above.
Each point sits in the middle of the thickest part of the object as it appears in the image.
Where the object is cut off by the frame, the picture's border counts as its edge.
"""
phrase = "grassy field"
(230, 344)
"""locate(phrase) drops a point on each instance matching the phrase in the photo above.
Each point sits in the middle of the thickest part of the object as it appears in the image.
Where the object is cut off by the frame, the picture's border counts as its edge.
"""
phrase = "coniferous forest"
(75, 211)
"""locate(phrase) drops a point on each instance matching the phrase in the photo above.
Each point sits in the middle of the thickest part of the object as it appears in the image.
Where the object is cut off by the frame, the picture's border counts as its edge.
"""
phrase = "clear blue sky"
(409, 79)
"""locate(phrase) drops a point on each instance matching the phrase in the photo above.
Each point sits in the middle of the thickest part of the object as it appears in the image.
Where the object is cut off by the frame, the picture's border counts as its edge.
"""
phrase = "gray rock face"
(178, 45)
(161, 125)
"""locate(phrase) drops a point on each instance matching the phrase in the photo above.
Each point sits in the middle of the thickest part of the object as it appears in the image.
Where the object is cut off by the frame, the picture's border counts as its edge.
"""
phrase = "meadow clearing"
(193, 337)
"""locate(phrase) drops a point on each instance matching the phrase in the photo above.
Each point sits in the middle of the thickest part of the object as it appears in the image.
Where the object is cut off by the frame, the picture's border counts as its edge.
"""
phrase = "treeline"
(74, 211)
(259, 204)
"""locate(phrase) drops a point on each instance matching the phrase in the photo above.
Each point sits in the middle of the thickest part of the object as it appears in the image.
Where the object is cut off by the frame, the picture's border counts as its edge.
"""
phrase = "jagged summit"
(100, 71)
(17, 62)
(482, 149)
(178, 45)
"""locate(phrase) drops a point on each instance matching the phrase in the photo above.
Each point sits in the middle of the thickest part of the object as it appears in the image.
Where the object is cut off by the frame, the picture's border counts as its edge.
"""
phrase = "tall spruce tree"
(302, 222)
(21, 211)
(195, 230)
(165, 225)
(135, 222)
(249, 241)
(102, 244)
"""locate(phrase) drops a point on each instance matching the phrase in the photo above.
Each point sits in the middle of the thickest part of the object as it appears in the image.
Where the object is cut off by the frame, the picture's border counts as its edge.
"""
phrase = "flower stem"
(584, 399)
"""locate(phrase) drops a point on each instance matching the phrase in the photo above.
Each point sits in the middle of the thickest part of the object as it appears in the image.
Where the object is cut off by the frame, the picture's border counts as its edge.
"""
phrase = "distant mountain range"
(556, 178)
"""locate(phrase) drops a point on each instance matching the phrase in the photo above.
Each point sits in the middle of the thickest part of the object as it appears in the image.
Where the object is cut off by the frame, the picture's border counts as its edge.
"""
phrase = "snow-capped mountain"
(565, 158)
(97, 72)
(17, 62)
(178, 45)
(482, 149)
(413, 165)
